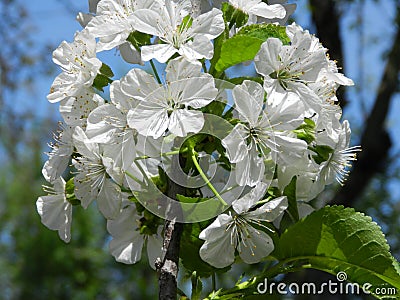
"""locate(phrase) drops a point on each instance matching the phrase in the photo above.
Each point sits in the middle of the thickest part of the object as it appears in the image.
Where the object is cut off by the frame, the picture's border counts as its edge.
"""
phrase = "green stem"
(207, 181)
(155, 71)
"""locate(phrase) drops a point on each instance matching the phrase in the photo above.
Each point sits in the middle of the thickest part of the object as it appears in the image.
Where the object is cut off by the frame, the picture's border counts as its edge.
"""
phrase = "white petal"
(127, 243)
(149, 120)
(218, 241)
(267, 59)
(270, 210)
(161, 52)
(210, 24)
(249, 98)
(109, 199)
(104, 123)
(255, 246)
(244, 203)
(130, 54)
(75, 110)
(127, 250)
(304, 209)
(57, 163)
(83, 190)
(285, 111)
(56, 213)
(147, 21)
(64, 86)
(137, 84)
(183, 121)
(83, 145)
(251, 169)
(235, 144)
(195, 92)
(200, 47)
(268, 11)
(289, 149)
(180, 68)
(154, 248)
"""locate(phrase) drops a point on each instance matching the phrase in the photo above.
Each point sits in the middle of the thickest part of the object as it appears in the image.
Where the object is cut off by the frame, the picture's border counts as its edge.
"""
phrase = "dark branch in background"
(375, 140)
(326, 19)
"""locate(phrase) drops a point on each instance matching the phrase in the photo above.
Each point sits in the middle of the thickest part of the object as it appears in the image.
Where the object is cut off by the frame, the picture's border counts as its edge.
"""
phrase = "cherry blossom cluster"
(118, 137)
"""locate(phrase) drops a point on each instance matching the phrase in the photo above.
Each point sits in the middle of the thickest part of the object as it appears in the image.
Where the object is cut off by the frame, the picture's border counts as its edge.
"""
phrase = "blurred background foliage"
(36, 264)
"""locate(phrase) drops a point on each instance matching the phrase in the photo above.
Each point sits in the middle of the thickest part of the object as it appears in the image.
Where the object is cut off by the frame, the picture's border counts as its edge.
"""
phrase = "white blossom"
(113, 21)
(259, 8)
(235, 230)
(127, 240)
(79, 64)
(55, 211)
(167, 107)
(336, 167)
(179, 32)
(60, 155)
(92, 181)
(264, 128)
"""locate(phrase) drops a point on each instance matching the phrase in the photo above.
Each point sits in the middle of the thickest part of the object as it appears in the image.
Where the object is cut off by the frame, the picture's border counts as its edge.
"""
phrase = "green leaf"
(70, 192)
(290, 193)
(234, 16)
(138, 39)
(246, 43)
(323, 153)
(186, 23)
(306, 131)
(337, 239)
(101, 81)
(106, 70)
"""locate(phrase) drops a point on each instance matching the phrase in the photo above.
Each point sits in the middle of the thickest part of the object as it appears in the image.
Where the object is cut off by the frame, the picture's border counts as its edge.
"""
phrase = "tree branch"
(169, 266)
(375, 140)
(326, 19)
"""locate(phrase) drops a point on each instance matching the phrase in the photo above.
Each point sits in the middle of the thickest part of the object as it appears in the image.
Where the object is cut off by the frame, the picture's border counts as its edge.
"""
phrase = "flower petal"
(149, 119)
(218, 241)
(183, 121)
(255, 245)
(161, 52)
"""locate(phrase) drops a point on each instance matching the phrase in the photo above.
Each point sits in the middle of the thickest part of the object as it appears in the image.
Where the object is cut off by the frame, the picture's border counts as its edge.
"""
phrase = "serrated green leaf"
(337, 239)
(106, 70)
(101, 81)
(246, 43)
